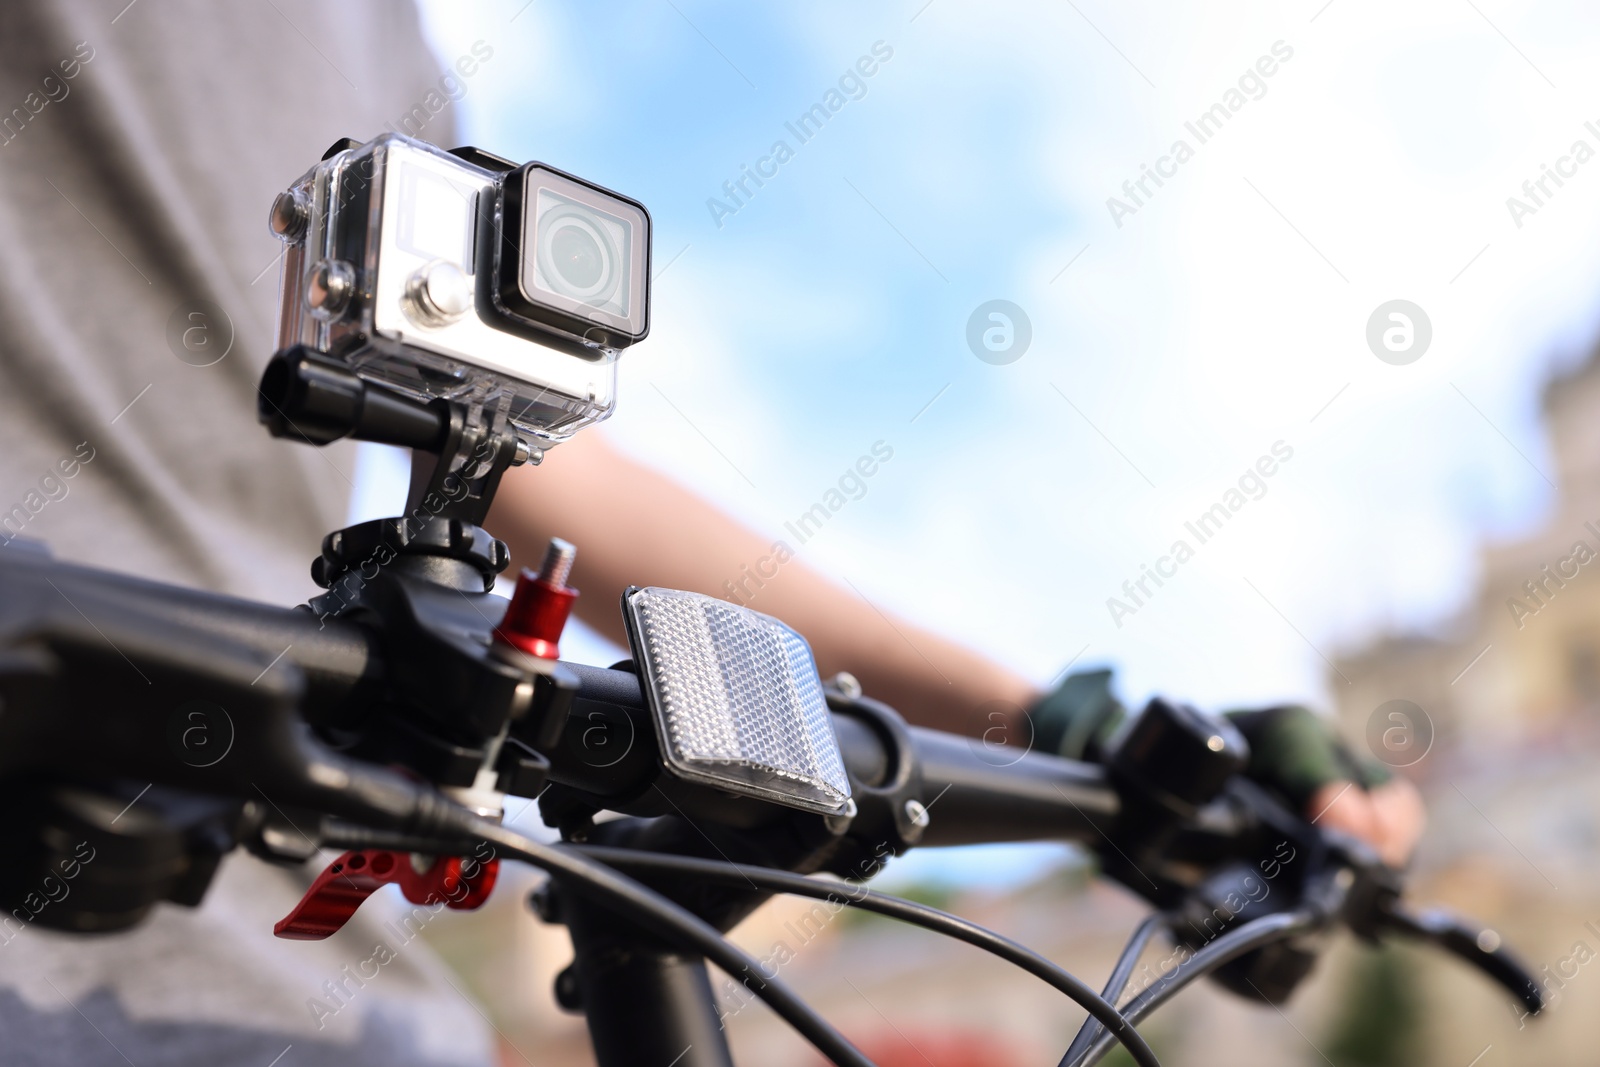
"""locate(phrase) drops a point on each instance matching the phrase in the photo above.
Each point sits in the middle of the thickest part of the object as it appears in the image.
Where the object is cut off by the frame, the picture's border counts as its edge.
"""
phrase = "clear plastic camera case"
(389, 245)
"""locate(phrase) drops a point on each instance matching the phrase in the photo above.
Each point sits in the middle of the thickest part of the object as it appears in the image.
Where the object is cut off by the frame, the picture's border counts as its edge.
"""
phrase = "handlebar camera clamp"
(467, 716)
(469, 720)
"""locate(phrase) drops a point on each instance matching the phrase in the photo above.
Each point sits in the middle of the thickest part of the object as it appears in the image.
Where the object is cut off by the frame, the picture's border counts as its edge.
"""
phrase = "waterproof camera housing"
(464, 276)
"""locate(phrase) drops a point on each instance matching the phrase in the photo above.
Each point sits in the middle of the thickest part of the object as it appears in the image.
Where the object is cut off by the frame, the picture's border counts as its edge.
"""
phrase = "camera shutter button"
(329, 286)
(438, 294)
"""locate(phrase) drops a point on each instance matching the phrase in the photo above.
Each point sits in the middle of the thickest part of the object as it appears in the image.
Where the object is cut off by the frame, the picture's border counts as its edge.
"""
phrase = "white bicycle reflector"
(736, 699)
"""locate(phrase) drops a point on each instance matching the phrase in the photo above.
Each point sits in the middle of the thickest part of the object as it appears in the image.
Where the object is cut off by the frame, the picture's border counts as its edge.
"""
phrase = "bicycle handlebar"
(92, 666)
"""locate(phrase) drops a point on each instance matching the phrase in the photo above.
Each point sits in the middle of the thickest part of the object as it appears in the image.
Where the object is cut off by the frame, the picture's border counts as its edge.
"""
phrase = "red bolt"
(539, 608)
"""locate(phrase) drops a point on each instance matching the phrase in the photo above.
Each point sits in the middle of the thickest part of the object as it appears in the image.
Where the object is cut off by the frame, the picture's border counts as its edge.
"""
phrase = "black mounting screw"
(543, 902)
(568, 994)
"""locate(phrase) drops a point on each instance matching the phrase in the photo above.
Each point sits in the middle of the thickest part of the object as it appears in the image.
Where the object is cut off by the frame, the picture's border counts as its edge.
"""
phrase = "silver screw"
(917, 812)
(557, 566)
(847, 684)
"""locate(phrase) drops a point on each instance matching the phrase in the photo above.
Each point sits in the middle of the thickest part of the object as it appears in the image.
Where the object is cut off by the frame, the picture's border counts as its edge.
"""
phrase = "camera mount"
(423, 580)
(459, 453)
(308, 396)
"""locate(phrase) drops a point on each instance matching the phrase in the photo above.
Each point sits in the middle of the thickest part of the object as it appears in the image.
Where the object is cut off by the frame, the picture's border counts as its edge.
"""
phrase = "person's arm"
(634, 526)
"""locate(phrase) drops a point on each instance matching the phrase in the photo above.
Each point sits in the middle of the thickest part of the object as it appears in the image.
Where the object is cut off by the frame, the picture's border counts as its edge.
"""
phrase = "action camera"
(465, 276)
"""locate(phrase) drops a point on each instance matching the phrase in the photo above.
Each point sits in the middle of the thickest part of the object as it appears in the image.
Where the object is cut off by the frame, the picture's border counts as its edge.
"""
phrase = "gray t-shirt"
(140, 148)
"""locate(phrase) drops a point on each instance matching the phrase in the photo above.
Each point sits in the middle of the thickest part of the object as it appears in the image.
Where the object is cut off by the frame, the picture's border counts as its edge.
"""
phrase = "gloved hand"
(1293, 752)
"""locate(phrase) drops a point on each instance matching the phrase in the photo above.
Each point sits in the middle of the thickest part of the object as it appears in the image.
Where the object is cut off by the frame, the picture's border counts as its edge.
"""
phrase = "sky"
(1208, 324)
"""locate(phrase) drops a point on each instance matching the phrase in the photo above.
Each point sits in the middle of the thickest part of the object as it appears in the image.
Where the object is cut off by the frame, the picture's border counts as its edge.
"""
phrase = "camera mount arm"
(459, 451)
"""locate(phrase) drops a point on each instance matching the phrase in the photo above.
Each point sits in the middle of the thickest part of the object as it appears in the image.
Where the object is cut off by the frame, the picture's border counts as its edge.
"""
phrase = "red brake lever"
(350, 879)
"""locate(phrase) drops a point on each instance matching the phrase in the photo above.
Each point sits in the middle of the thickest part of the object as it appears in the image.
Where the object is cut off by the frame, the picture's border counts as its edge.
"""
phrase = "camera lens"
(572, 258)
(577, 254)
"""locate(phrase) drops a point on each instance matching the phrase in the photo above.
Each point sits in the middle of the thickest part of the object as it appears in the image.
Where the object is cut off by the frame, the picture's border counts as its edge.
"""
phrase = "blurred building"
(1510, 692)
(1522, 663)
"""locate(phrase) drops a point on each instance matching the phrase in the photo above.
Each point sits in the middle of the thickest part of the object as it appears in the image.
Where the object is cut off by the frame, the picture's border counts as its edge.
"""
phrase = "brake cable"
(639, 903)
(1100, 1010)
(1254, 934)
(1120, 974)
